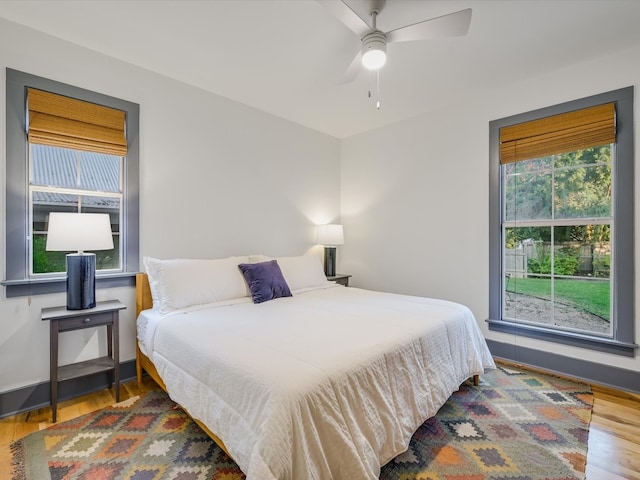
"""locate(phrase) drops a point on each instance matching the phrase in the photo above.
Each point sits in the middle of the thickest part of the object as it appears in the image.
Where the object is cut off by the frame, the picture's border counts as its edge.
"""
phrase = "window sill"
(607, 345)
(40, 286)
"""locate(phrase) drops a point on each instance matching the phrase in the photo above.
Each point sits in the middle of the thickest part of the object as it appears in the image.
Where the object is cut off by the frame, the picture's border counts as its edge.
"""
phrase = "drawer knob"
(87, 320)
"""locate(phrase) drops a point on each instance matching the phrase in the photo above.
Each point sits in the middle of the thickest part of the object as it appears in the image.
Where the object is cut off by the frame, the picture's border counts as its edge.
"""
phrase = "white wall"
(415, 194)
(217, 178)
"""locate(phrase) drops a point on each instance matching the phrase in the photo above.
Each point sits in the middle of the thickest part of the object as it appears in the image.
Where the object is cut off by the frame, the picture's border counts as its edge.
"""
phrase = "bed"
(324, 382)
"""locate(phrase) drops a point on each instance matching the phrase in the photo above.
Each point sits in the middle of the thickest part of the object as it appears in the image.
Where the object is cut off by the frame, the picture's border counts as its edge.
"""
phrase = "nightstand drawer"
(85, 321)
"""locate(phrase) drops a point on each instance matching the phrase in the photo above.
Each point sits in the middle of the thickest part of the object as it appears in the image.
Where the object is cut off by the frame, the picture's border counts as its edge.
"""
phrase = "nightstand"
(340, 278)
(63, 320)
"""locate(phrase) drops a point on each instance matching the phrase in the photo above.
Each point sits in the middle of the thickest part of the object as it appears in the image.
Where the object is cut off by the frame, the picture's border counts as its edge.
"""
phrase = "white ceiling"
(287, 57)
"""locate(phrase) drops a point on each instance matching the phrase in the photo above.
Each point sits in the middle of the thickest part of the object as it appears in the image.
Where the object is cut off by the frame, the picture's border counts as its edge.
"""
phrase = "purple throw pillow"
(265, 281)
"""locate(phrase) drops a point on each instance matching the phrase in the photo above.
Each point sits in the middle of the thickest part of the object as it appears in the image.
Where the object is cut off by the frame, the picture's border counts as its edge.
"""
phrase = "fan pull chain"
(378, 89)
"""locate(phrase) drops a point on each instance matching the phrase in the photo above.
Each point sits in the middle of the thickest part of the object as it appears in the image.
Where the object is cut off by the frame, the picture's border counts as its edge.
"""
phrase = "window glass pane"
(53, 166)
(109, 259)
(530, 166)
(55, 262)
(583, 250)
(527, 285)
(583, 305)
(528, 299)
(100, 172)
(44, 261)
(106, 259)
(528, 190)
(47, 202)
(583, 192)
(67, 168)
(588, 156)
(101, 204)
(561, 284)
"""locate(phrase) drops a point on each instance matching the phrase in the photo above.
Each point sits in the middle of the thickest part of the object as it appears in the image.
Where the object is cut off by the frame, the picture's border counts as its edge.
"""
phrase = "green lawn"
(590, 295)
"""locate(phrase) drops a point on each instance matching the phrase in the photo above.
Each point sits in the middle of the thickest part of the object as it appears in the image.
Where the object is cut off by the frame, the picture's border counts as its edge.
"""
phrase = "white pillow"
(181, 283)
(303, 271)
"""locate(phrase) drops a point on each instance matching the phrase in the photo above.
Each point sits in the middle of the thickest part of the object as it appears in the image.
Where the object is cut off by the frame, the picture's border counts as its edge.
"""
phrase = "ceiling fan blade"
(450, 25)
(351, 19)
(353, 69)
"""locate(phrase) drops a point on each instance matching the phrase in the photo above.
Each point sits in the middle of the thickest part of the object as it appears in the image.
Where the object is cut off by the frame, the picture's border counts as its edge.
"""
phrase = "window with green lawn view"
(557, 240)
(561, 256)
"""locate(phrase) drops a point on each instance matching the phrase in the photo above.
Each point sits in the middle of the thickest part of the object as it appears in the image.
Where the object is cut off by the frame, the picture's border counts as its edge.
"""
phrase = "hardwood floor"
(614, 434)
(17, 426)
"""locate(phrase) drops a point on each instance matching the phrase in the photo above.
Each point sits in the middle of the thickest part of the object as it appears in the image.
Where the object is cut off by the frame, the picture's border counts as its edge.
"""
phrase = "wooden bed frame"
(143, 363)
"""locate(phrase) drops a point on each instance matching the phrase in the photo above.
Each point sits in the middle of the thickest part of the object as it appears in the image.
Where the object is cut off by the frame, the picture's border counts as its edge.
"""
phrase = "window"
(561, 218)
(69, 150)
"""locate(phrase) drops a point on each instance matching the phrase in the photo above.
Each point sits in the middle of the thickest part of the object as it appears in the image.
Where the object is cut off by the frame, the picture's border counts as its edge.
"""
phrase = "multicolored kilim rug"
(516, 425)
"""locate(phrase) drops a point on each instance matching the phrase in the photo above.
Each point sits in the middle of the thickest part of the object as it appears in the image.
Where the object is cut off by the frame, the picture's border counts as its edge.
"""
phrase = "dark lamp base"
(329, 261)
(81, 281)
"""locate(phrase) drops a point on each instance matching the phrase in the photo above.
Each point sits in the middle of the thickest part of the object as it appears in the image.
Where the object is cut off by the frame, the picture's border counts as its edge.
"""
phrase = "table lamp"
(330, 236)
(80, 231)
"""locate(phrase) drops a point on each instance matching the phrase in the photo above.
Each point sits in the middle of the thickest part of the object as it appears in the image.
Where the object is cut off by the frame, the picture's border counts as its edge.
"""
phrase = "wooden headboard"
(143, 293)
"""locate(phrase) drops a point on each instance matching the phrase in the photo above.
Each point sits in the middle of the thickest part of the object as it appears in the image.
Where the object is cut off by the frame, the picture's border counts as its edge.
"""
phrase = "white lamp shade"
(79, 232)
(330, 235)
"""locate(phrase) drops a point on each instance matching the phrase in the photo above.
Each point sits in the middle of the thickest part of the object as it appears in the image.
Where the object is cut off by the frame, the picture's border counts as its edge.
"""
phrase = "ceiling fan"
(373, 52)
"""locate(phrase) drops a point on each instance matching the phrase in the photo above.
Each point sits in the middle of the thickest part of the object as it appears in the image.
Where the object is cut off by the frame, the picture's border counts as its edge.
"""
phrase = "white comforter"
(328, 384)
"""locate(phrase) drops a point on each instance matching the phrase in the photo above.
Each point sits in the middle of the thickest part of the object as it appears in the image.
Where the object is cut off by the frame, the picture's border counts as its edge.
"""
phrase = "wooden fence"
(593, 260)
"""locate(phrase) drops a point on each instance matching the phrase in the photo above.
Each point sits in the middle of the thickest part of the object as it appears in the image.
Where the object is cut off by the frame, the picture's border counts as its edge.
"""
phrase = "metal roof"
(66, 168)
(63, 167)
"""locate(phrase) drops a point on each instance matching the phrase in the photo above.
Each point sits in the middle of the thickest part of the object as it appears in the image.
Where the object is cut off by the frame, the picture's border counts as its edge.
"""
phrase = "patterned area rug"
(515, 425)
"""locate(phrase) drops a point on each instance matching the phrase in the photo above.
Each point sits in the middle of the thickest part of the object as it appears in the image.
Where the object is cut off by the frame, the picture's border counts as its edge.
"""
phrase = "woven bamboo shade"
(566, 132)
(66, 122)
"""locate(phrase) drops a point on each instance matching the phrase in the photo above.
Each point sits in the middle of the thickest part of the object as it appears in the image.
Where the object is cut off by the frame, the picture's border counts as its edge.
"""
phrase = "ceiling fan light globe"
(374, 50)
(374, 59)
